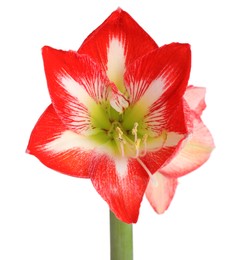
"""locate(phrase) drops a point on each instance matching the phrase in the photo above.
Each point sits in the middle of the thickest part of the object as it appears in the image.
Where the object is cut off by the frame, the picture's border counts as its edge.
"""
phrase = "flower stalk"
(121, 239)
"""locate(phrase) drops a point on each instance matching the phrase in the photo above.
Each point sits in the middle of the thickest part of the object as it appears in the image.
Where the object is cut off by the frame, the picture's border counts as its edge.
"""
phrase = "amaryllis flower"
(122, 115)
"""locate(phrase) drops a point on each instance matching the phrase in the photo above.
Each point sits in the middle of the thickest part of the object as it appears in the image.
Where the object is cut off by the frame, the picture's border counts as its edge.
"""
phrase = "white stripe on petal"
(68, 140)
(75, 89)
(153, 92)
(116, 63)
(121, 167)
(144, 100)
(149, 105)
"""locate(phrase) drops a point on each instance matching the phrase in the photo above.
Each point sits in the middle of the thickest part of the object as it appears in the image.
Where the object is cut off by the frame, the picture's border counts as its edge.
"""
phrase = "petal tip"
(184, 48)
(119, 10)
(45, 49)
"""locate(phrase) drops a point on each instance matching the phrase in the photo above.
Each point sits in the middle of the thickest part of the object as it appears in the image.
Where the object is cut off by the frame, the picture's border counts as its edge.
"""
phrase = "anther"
(134, 131)
(120, 133)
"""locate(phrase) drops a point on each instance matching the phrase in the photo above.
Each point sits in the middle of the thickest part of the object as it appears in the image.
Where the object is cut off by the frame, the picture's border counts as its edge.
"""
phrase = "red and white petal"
(195, 98)
(121, 183)
(117, 42)
(76, 84)
(156, 84)
(194, 152)
(161, 194)
(154, 160)
(162, 71)
(59, 148)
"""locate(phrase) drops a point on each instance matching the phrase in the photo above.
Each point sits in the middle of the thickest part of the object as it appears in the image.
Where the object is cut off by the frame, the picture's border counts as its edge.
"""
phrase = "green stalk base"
(121, 237)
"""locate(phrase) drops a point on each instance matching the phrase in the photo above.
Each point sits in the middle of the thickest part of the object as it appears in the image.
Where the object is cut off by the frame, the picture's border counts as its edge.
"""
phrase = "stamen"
(121, 140)
(122, 148)
(137, 146)
(120, 133)
(144, 141)
(152, 177)
(134, 131)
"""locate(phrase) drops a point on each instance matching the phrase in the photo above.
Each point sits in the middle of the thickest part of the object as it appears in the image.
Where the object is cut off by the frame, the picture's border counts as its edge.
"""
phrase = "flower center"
(128, 142)
(119, 128)
(108, 129)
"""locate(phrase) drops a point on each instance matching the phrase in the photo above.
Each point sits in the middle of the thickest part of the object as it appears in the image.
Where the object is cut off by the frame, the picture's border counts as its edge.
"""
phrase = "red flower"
(122, 114)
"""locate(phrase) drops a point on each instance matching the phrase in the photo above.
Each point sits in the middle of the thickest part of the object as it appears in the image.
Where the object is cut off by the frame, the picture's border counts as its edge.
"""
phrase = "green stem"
(121, 236)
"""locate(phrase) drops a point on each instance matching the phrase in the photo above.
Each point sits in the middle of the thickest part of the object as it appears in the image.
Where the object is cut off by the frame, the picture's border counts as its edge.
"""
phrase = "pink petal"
(75, 84)
(121, 28)
(195, 97)
(160, 196)
(122, 184)
(57, 147)
(194, 152)
(156, 83)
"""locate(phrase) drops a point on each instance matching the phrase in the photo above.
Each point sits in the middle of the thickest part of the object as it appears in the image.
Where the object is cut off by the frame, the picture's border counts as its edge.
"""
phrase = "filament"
(152, 177)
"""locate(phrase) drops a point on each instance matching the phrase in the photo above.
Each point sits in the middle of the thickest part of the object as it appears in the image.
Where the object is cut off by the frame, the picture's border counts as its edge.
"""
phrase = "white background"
(47, 215)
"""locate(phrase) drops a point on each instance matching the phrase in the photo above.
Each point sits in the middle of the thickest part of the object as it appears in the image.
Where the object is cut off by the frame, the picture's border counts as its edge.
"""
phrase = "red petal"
(122, 184)
(157, 82)
(160, 196)
(70, 159)
(154, 160)
(75, 83)
(194, 152)
(122, 27)
(195, 97)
